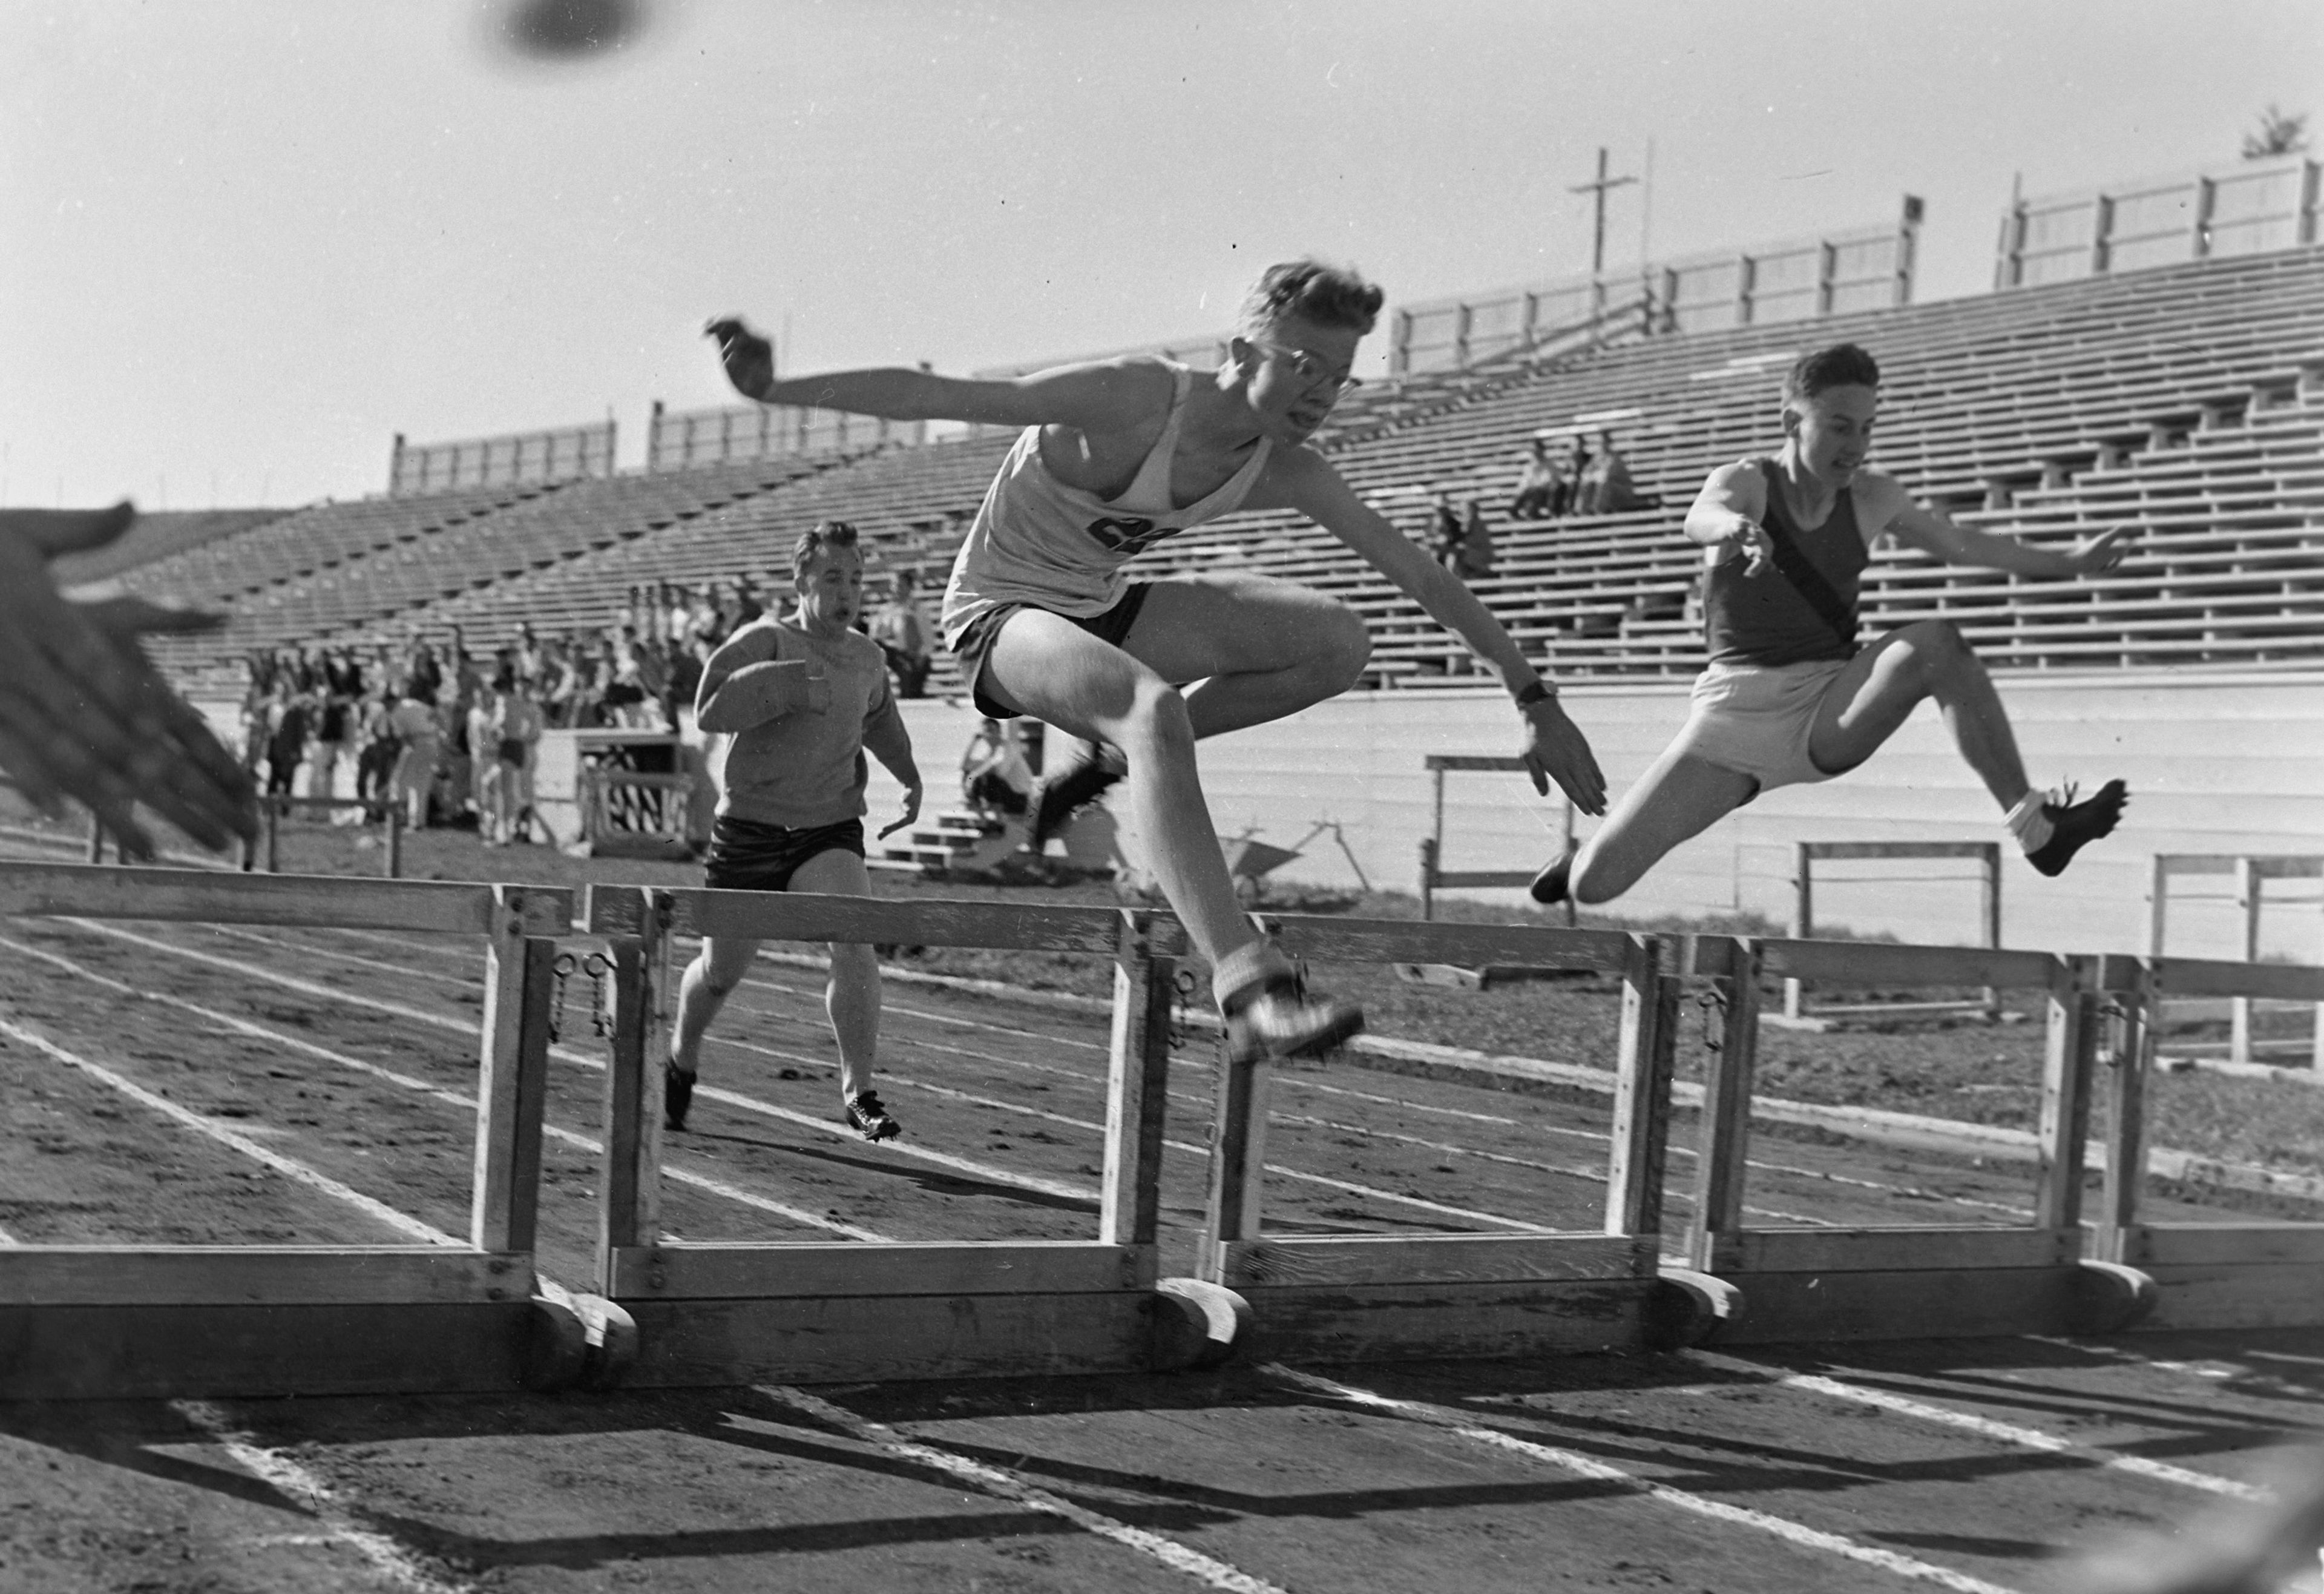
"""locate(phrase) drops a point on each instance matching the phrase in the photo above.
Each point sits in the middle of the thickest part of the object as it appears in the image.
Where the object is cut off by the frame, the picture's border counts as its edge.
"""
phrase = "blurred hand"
(2095, 555)
(1555, 749)
(1749, 539)
(84, 714)
(911, 806)
(749, 359)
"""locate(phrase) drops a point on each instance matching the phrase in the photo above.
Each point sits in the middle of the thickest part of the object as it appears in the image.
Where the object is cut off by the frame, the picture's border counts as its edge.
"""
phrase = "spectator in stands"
(376, 759)
(1445, 530)
(526, 655)
(1790, 697)
(423, 676)
(804, 699)
(1537, 483)
(481, 736)
(903, 637)
(1605, 486)
(622, 697)
(288, 724)
(333, 724)
(1570, 479)
(1114, 457)
(84, 714)
(419, 747)
(1475, 558)
(747, 607)
(517, 748)
(994, 776)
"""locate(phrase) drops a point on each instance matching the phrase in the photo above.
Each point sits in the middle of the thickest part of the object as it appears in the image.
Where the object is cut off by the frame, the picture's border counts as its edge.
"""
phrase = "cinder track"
(1963, 1466)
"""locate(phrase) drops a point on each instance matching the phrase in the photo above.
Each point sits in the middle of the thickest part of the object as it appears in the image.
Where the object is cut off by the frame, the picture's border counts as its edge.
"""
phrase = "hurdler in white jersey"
(1115, 455)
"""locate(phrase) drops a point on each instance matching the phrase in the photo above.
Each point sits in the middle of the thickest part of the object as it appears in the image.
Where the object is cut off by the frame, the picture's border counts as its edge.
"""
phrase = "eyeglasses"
(1310, 370)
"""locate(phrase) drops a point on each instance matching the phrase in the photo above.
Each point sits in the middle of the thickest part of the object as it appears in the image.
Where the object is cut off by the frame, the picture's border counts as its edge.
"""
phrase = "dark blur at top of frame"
(567, 33)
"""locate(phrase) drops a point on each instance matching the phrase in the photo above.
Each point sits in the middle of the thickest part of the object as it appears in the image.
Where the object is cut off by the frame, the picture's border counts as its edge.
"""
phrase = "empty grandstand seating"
(2187, 400)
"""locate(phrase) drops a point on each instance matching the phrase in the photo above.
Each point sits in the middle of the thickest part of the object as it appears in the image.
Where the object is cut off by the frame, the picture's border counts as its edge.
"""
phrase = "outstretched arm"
(1933, 532)
(1726, 515)
(886, 738)
(1554, 748)
(1108, 395)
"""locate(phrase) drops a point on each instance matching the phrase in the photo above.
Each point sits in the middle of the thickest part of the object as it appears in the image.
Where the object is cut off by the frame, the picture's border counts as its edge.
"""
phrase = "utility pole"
(1598, 187)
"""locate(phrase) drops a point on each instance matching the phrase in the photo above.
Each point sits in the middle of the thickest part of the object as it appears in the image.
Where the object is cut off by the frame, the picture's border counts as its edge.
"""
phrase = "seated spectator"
(1607, 489)
(994, 775)
(1570, 479)
(1474, 558)
(1537, 483)
(903, 635)
(1446, 533)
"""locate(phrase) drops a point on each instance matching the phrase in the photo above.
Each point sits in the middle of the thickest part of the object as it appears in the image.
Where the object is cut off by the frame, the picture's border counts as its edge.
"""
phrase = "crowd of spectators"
(448, 733)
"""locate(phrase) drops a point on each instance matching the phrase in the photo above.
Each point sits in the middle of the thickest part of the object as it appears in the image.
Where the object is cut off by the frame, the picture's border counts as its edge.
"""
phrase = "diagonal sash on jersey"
(1793, 564)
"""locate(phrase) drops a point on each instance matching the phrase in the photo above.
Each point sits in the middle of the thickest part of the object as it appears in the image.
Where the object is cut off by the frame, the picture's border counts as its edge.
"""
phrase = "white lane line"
(2209, 1372)
(1092, 1193)
(233, 1024)
(2010, 1433)
(288, 1167)
(1004, 1485)
(392, 1561)
(1095, 1004)
(982, 1171)
(1590, 1466)
(1294, 1082)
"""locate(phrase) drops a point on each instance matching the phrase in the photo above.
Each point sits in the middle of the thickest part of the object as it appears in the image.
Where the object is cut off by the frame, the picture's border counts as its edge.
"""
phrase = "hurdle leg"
(2249, 886)
(2067, 1066)
(1634, 1186)
(1137, 1090)
(1723, 1153)
(2133, 1058)
(629, 1178)
(1238, 1158)
(512, 1080)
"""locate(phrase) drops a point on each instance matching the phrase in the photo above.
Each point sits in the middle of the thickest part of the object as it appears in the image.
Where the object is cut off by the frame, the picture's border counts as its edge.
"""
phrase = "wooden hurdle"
(1987, 855)
(2251, 872)
(119, 1322)
(272, 809)
(1433, 875)
(1394, 1297)
(710, 1312)
(1809, 1284)
(2207, 1274)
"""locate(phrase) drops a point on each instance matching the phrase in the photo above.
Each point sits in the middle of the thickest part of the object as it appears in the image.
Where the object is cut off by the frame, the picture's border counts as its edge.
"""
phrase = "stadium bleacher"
(2188, 401)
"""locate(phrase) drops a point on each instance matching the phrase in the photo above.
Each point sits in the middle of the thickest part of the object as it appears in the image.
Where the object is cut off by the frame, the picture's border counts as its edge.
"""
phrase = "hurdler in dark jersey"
(1789, 696)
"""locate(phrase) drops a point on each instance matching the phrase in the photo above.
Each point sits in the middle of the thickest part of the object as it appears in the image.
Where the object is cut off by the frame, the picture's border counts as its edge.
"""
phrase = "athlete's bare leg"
(1867, 702)
(851, 997)
(1261, 649)
(703, 990)
(1677, 798)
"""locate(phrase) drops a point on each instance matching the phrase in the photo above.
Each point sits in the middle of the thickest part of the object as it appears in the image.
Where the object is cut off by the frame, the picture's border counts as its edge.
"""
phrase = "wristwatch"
(1537, 691)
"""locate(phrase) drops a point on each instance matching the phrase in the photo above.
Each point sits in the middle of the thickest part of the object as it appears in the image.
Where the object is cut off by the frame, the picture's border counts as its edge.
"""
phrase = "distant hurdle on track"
(1988, 856)
(114, 1322)
(1433, 876)
(2251, 873)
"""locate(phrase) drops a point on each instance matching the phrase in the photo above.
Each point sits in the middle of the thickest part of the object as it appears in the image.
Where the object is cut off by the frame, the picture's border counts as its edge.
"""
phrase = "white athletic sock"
(2028, 823)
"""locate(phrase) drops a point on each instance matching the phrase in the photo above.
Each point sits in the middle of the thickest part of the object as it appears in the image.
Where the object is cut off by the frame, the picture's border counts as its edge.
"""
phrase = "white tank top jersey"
(1038, 542)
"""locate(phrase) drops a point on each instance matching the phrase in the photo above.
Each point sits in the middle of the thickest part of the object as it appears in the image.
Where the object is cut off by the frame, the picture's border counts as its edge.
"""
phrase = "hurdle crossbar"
(129, 1321)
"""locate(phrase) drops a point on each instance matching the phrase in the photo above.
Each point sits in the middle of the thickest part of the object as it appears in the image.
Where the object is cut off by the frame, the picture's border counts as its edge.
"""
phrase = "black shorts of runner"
(975, 643)
(746, 856)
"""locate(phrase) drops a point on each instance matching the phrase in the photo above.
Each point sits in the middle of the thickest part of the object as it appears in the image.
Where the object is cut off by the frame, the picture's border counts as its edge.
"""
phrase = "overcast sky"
(243, 243)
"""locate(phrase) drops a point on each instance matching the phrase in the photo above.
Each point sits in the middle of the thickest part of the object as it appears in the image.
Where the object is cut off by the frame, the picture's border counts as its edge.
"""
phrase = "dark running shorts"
(975, 643)
(746, 855)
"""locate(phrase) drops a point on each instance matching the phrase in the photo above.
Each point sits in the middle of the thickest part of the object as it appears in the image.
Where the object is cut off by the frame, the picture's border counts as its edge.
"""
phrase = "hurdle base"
(1325, 1323)
(705, 1342)
(253, 1350)
(1936, 1303)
